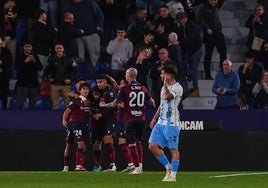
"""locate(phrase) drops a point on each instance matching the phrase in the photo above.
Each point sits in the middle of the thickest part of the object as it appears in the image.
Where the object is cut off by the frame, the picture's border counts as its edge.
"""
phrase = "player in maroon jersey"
(96, 127)
(133, 95)
(70, 137)
(76, 119)
(108, 118)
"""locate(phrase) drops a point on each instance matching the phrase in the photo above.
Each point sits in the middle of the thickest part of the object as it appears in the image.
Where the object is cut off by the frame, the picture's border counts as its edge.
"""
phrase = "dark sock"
(140, 152)
(110, 152)
(125, 151)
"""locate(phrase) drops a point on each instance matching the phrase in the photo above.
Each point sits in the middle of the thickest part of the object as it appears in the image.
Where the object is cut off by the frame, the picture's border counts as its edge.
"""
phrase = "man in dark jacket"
(5, 74)
(189, 35)
(61, 71)
(27, 65)
(208, 17)
(68, 34)
(88, 17)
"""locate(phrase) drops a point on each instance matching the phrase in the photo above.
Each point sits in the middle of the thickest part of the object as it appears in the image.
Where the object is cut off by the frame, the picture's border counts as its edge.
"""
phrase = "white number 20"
(136, 99)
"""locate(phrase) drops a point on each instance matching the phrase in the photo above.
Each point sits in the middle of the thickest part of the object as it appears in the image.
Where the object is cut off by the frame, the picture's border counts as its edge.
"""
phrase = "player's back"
(134, 97)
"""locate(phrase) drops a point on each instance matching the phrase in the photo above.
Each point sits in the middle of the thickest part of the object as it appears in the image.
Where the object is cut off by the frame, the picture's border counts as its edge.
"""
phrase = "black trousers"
(211, 41)
(4, 89)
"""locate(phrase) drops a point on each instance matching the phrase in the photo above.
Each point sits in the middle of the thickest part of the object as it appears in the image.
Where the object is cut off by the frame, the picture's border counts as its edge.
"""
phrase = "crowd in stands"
(72, 39)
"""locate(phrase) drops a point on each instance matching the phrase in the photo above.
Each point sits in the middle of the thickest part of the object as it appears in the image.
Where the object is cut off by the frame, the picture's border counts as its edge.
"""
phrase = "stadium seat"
(83, 69)
(13, 104)
(61, 105)
(43, 103)
(92, 84)
(103, 68)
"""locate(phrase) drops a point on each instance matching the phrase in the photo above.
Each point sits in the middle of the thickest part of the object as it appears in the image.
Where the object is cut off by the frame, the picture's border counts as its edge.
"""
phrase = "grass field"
(123, 180)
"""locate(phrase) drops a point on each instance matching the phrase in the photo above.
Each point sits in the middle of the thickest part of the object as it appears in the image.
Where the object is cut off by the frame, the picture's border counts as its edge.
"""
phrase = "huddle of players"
(101, 108)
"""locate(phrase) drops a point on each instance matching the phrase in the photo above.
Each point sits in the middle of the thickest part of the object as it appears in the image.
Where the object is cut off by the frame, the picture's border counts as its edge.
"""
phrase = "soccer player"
(108, 118)
(165, 124)
(96, 126)
(133, 95)
(70, 136)
(78, 114)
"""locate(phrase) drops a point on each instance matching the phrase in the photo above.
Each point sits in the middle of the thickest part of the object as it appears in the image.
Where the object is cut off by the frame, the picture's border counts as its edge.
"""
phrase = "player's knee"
(152, 146)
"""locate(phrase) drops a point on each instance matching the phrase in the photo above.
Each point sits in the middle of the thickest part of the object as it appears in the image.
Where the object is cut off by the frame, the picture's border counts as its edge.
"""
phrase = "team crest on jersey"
(111, 94)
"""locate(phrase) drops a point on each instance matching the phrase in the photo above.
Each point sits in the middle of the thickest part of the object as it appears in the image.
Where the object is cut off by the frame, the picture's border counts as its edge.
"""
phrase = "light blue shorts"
(165, 136)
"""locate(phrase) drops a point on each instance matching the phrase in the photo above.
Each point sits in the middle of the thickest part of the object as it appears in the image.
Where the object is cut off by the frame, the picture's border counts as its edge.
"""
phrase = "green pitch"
(125, 180)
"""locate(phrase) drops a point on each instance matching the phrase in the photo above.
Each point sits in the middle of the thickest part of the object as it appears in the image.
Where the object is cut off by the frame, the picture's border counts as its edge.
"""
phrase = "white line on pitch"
(244, 174)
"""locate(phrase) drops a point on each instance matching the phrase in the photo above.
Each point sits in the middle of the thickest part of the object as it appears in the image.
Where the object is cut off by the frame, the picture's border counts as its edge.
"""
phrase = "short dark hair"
(96, 89)
(79, 79)
(102, 77)
(170, 69)
(120, 28)
(250, 55)
(83, 85)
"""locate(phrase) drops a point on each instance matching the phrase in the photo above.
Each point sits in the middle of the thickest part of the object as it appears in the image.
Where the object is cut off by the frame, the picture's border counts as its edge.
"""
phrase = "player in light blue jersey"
(165, 124)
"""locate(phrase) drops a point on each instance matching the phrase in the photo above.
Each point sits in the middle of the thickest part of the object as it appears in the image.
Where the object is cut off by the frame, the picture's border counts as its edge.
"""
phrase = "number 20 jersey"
(133, 96)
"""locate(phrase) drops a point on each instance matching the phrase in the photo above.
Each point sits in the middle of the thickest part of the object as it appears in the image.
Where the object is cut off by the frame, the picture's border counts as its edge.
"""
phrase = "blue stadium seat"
(103, 68)
(92, 84)
(73, 88)
(83, 69)
(12, 105)
(43, 103)
(61, 105)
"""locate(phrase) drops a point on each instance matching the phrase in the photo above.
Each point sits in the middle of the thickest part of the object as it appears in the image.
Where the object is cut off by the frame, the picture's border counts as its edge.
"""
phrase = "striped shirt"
(169, 112)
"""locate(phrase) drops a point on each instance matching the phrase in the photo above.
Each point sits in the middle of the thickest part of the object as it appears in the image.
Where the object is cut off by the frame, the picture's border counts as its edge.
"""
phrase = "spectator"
(208, 17)
(61, 71)
(258, 26)
(43, 39)
(51, 6)
(121, 50)
(242, 102)
(190, 40)
(88, 17)
(260, 91)
(137, 28)
(8, 29)
(163, 26)
(5, 74)
(27, 65)
(151, 6)
(68, 34)
(174, 50)
(264, 3)
(163, 60)
(116, 14)
(175, 7)
(149, 41)
(142, 64)
(249, 74)
(226, 87)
